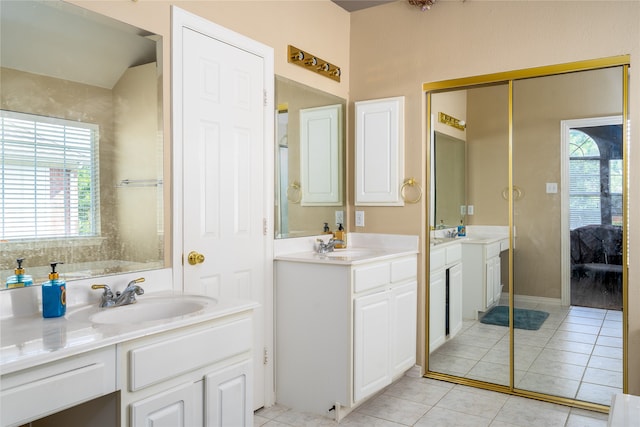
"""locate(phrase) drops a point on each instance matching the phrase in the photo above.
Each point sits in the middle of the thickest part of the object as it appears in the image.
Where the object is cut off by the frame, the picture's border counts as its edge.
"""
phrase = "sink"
(146, 309)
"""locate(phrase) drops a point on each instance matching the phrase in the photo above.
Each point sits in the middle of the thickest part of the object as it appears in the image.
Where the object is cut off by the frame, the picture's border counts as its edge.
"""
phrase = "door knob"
(195, 258)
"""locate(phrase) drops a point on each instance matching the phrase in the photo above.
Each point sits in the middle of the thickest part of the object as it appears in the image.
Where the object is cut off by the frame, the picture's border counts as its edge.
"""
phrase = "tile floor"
(416, 401)
(577, 353)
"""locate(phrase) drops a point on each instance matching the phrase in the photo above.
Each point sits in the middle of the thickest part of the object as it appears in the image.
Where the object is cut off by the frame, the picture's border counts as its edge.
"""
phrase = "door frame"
(183, 19)
(565, 241)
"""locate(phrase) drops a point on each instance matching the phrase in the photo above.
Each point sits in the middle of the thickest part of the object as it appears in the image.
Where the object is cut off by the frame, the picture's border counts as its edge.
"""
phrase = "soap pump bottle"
(19, 279)
(462, 230)
(54, 294)
(341, 235)
(326, 229)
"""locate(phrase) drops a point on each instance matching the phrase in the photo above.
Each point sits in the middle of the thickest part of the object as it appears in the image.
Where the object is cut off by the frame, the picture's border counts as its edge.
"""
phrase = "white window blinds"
(49, 178)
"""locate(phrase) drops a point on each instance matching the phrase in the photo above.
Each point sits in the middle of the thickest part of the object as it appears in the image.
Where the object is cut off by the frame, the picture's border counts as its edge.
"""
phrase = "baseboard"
(528, 299)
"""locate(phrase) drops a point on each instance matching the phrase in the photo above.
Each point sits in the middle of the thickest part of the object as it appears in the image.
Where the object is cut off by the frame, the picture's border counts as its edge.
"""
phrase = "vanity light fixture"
(452, 121)
(313, 63)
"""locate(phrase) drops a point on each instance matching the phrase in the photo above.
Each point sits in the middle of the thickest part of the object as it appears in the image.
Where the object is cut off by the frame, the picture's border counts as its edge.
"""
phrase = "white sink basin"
(146, 309)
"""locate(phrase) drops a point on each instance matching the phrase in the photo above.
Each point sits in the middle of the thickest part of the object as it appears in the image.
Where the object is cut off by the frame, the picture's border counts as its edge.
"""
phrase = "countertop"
(348, 256)
(439, 242)
(29, 341)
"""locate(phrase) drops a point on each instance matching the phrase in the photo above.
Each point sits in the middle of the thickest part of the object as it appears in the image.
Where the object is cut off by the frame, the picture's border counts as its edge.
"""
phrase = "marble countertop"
(29, 341)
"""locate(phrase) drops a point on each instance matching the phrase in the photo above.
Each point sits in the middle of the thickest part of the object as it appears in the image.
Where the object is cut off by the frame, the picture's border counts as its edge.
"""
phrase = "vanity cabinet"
(482, 275)
(185, 377)
(343, 331)
(445, 293)
(37, 392)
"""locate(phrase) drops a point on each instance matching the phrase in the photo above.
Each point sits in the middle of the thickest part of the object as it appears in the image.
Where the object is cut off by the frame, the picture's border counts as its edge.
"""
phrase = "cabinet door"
(497, 280)
(227, 397)
(404, 302)
(379, 151)
(437, 305)
(177, 407)
(455, 299)
(371, 344)
(489, 278)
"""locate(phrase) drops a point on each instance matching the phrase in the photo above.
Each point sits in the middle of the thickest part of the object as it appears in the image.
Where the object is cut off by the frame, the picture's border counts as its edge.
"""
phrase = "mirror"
(449, 180)
(82, 175)
(562, 268)
(309, 185)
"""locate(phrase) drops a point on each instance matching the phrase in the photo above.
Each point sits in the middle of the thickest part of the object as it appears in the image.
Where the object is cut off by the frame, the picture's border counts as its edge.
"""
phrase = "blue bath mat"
(523, 318)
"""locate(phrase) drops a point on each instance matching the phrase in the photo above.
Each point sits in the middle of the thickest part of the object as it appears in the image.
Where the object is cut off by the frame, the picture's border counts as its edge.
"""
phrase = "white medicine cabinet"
(379, 152)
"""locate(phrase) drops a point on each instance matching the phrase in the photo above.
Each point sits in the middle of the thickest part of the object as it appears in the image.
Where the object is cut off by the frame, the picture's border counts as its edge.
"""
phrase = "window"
(49, 178)
(584, 190)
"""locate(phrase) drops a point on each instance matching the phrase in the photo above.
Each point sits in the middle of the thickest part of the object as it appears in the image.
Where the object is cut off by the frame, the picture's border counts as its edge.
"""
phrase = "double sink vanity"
(469, 266)
(163, 354)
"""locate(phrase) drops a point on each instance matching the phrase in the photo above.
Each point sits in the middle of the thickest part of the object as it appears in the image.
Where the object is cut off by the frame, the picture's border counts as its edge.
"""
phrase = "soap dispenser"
(326, 229)
(19, 280)
(54, 294)
(341, 235)
(462, 230)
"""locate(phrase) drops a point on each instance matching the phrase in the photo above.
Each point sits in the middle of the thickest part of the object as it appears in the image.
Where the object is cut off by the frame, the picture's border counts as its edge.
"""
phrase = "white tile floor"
(577, 353)
(416, 401)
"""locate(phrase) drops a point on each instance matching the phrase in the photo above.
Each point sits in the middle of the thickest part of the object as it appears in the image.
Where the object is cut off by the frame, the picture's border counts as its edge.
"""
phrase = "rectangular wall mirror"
(82, 143)
(306, 114)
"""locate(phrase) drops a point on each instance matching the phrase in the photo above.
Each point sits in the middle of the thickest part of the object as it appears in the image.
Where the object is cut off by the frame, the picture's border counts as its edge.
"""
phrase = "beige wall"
(460, 39)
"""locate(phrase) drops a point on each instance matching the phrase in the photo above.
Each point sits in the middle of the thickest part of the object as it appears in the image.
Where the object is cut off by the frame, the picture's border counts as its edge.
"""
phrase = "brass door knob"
(195, 258)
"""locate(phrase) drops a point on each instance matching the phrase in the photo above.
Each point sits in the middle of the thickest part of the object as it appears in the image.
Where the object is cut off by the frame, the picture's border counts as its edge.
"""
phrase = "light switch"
(359, 218)
(552, 187)
(470, 210)
(339, 217)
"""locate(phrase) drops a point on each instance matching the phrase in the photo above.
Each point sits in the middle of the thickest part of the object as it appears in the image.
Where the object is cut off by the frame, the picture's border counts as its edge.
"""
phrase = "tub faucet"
(126, 297)
(323, 247)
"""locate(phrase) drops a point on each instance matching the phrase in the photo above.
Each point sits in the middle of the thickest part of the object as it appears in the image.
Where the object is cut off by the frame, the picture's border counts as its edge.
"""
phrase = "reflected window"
(595, 191)
(48, 180)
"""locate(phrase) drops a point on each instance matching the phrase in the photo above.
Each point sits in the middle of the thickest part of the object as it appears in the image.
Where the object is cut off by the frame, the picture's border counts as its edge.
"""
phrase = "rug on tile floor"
(523, 318)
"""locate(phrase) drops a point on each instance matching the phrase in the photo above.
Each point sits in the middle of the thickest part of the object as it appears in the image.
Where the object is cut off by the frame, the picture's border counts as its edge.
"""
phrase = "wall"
(460, 39)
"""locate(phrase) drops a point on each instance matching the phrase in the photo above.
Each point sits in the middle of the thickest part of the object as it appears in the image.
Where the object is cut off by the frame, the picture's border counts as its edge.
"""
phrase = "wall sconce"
(452, 121)
(313, 63)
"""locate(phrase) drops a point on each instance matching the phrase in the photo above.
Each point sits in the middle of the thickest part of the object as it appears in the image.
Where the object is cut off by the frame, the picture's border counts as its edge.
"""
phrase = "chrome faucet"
(324, 248)
(452, 233)
(128, 296)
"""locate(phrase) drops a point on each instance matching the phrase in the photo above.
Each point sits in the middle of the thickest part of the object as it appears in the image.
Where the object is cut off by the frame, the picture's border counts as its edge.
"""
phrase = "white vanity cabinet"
(445, 293)
(482, 275)
(194, 376)
(36, 392)
(343, 331)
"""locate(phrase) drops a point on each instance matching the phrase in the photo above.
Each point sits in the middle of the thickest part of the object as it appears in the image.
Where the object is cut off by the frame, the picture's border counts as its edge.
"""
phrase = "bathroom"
(397, 62)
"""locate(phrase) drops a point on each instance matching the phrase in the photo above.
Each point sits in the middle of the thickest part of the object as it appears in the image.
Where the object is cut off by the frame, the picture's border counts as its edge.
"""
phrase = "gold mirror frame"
(509, 78)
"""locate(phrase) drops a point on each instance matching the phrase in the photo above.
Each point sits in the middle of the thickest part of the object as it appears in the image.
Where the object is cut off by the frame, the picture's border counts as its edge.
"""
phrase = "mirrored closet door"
(527, 266)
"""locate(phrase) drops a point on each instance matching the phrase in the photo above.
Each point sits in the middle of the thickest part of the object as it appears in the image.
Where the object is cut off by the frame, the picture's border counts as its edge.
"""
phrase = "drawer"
(371, 276)
(49, 388)
(437, 259)
(492, 250)
(404, 269)
(179, 354)
(453, 254)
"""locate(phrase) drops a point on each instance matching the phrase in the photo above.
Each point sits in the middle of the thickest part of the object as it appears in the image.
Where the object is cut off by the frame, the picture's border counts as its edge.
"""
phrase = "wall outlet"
(552, 187)
(339, 217)
(463, 209)
(359, 218)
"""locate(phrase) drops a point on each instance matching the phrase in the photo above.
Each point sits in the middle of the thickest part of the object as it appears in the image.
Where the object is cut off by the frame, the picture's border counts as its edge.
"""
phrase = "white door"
(224, 397)
(404, 300)
(179, 407)
(227, 183)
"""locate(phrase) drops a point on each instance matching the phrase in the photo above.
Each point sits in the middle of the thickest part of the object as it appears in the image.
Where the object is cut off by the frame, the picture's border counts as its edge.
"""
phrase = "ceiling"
(353, 5)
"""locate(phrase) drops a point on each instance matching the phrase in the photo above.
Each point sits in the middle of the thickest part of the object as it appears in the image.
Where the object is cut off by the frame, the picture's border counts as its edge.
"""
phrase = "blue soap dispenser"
(54, 294)
(19, 280)
(462, 230)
